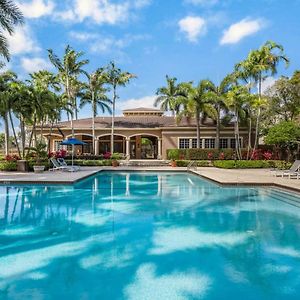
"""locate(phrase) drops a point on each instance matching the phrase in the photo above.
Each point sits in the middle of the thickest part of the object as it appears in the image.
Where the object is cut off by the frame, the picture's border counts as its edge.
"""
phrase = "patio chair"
(58, 167)
(61, 161)
(292, 172)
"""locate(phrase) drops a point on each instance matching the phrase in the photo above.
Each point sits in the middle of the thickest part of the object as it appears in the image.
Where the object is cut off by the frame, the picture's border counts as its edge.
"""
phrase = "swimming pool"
(148, 236)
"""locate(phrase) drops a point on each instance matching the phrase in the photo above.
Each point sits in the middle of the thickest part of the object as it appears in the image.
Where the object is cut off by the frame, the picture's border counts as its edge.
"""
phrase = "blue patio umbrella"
(73, 142)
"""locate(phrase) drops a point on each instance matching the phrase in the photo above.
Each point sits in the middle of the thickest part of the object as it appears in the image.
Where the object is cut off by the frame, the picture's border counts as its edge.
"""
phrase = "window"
(194, 143)
(184, 143)
(57, 145)
(209, 143)
(232, 143)
(223, 144)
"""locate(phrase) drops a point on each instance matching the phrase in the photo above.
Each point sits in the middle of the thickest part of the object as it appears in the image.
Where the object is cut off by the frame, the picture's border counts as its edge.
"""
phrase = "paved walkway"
(221, 176)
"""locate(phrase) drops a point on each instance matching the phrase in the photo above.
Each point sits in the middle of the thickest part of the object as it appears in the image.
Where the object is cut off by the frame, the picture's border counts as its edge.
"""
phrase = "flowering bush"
(58, 154)
(268, 155)
(222, 156)
(13, 157)
(107, 155)
(210, 155)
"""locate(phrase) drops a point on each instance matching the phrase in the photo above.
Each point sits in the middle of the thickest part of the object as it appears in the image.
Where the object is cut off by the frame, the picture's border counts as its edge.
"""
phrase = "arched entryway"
(144, 147)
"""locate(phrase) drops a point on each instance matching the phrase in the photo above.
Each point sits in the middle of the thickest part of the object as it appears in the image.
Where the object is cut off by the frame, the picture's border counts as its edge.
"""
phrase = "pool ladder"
(192, 165)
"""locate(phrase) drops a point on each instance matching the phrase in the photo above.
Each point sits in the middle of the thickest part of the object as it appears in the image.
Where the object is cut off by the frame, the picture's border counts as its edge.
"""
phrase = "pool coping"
(198, 172)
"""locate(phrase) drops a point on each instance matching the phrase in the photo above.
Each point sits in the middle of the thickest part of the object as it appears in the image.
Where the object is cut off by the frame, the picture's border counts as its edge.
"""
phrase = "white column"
(127, 148)
(159, 154)
(96, 147)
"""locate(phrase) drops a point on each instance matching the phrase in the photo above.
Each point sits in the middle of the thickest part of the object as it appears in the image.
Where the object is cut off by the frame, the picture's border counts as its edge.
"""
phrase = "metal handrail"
(192, 164)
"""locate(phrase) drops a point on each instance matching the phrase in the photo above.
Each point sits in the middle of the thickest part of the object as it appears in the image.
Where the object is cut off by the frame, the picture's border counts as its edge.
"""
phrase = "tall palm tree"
(260, 63)
(173, 96)
(69, 68)
(5, 79)
(10, 16)
(217, 95)
(94, 94)
(115, 78)
(200, 104)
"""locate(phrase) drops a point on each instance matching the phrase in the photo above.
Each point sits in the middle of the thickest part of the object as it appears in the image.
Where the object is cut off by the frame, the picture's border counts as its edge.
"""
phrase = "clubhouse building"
(142, 133)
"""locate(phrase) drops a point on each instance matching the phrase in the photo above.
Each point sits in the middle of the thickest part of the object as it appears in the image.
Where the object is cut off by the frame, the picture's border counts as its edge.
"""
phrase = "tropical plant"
(39, 151)
(94, 94)
(115, 78)
(5, 80)
(200, 104)
(10, 16)
(69, 68)
(173, 97)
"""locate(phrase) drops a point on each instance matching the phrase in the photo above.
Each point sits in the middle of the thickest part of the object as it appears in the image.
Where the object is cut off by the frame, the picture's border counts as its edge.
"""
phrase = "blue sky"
(188, 39)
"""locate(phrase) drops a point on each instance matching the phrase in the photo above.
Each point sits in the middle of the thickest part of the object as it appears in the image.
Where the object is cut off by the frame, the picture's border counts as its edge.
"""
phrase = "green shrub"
(247, 164)
(185, 163)
(8, 166)
(177, 154)
(90, 163)
(117, 156)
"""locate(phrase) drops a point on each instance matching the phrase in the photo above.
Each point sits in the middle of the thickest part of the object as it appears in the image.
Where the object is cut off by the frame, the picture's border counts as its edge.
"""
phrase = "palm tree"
(173, 96)
(69, 68)
(5, 79)
(260, 63)
(115, 77)
(200, 104)
(217, 95)
(10, 16)
(94, 94)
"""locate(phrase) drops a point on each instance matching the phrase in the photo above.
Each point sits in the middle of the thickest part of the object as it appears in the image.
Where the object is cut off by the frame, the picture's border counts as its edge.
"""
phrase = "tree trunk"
(198, 130)
(113, 120)
(22, 130)
(14, 133)
(93, 122)
(249, 137)
(218, 127)
(6, 133)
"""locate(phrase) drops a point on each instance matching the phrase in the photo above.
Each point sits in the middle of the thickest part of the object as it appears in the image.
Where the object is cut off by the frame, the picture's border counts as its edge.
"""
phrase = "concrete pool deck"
(251, 177)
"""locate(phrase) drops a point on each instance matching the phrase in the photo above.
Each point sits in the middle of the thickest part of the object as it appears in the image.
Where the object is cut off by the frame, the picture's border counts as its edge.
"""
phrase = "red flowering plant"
(222, 156)
(255, 154)
(210, 155)
(267, 155)
(13, 157)
(61, 153)
(107, 155)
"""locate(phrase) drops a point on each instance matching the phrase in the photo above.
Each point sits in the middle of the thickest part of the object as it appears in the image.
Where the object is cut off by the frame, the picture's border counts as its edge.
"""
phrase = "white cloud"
(267, 83)
(34, 64)
(193, 27)
(141, 3)
(147, 101)
(240, 30)
(36, 8)
(22, 41)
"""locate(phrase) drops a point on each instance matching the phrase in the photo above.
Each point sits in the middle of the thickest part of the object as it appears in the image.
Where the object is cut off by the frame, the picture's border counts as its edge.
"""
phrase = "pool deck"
(248, 177)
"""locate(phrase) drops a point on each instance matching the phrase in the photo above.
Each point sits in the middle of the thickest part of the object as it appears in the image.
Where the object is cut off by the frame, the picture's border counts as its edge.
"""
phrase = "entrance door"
(143, 147)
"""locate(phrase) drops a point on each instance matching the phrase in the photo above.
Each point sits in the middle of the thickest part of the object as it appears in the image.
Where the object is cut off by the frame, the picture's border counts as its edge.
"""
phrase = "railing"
(192, 164)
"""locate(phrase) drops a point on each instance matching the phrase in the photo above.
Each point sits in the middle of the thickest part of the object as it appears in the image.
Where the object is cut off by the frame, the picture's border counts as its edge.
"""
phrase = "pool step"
(285, 197)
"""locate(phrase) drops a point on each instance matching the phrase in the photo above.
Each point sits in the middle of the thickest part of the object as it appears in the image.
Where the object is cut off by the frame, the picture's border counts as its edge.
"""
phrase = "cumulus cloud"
(237, 31)
(192, 27)
(22, 41)
(36, 8)
(146, 102)
(34, 64)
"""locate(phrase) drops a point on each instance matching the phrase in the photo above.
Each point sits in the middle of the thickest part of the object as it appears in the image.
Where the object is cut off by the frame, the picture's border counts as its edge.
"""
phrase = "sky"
(187, 39)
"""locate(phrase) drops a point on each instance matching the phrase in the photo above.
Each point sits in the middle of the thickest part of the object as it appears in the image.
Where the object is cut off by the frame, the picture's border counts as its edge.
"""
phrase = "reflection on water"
(147, 236)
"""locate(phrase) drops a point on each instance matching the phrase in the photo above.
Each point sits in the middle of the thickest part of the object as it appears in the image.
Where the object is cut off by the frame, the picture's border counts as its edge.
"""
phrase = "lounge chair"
(292, 172)
(61, 161)
(58, 167)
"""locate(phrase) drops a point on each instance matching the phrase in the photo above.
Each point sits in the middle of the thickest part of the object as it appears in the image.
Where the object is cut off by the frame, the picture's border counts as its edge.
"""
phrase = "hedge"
(250, 164)
(8, 165)
(185, 163)
(199, 154)
(91, 163)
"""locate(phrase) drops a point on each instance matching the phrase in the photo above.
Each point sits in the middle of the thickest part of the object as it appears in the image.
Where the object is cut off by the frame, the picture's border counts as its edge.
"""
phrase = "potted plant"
(173, 155)
(40, 154)
(115, 157)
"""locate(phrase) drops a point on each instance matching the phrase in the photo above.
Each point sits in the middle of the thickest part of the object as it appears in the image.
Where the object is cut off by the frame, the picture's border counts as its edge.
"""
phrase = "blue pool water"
(147, 236)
